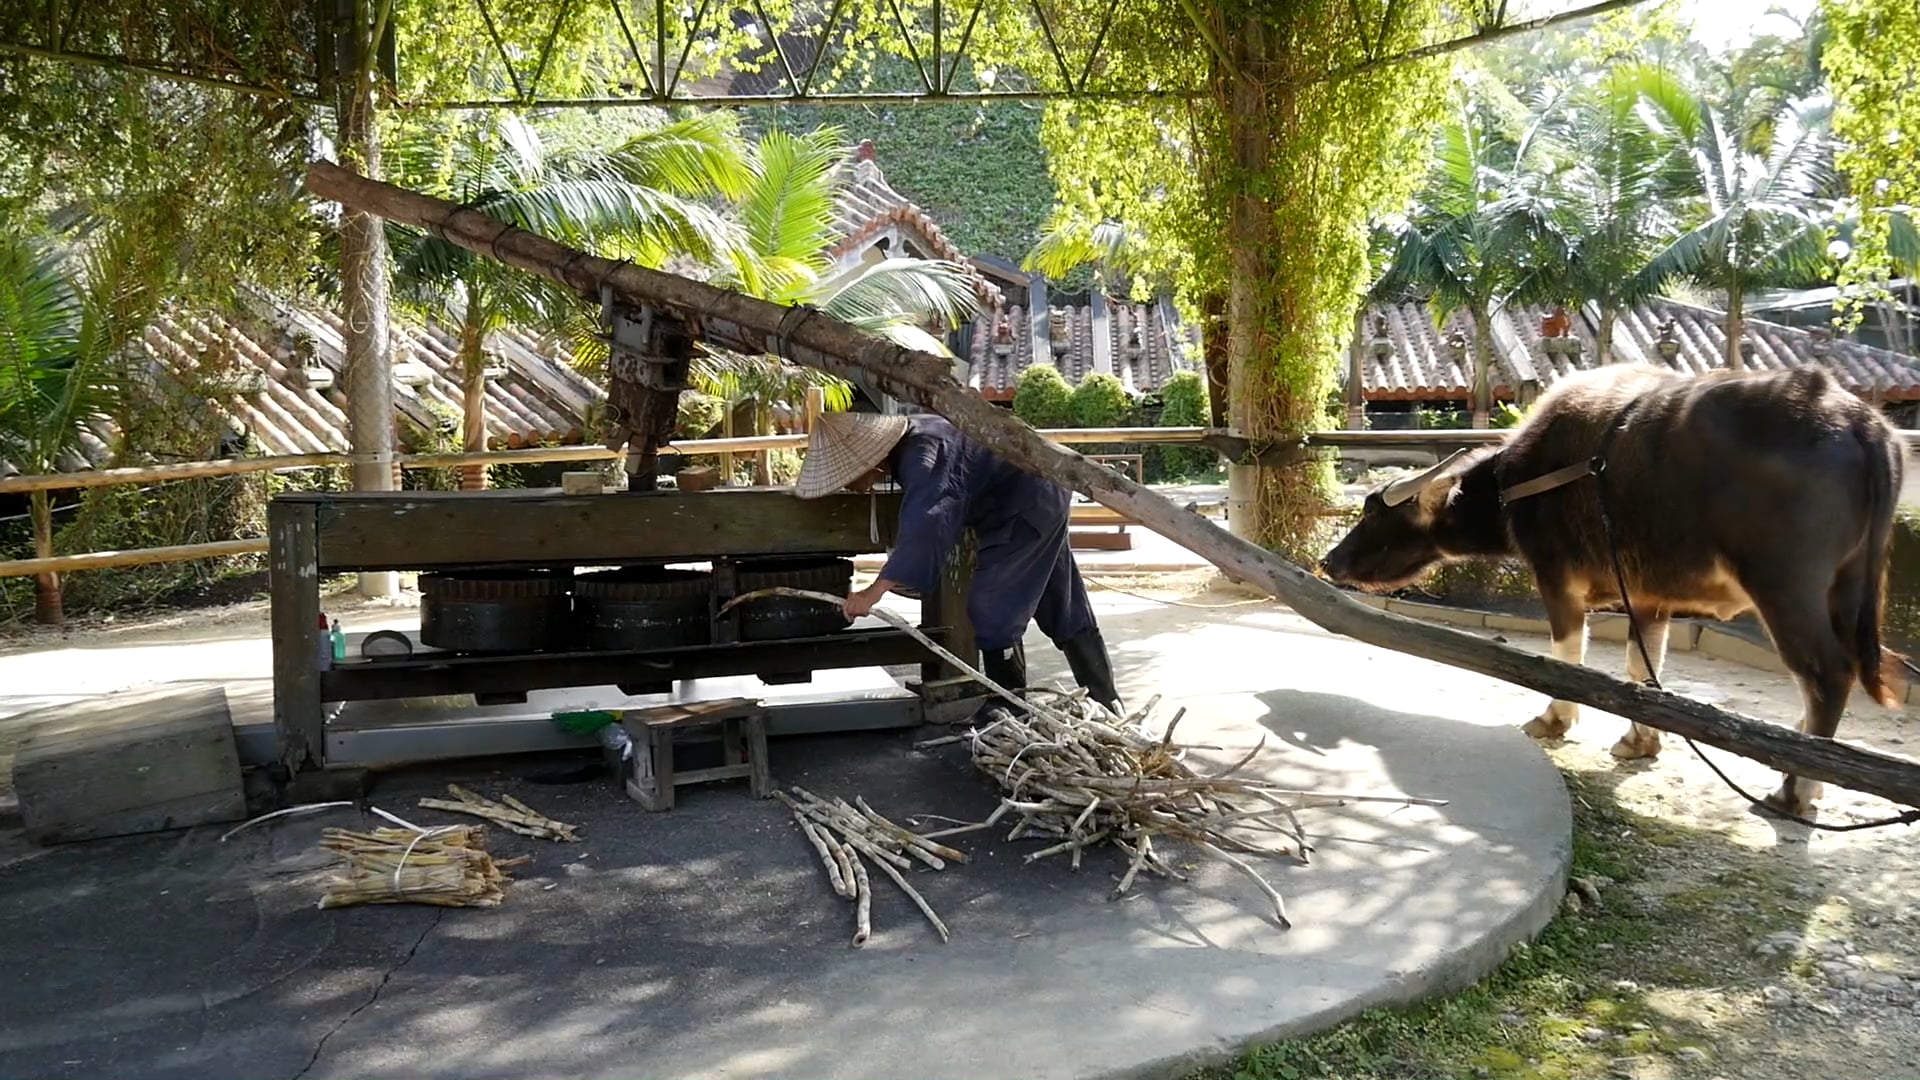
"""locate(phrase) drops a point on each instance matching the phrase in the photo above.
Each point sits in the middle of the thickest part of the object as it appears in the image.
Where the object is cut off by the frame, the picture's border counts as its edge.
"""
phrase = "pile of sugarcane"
(1072, 772)
(846, 836)
(509, 813)
(447, 866)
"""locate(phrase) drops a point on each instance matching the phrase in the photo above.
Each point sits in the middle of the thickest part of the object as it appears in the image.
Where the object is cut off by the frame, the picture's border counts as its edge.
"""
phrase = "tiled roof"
(258, 381)
(1420, 361)
(866, 205)
(1147, 348)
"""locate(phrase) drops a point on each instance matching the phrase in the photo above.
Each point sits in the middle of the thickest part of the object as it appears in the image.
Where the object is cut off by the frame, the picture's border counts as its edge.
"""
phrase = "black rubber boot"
(1008, 667)
(1092, 668)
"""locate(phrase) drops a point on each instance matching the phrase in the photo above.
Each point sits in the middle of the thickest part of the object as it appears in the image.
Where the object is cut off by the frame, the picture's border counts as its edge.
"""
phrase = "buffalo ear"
(1407, 487)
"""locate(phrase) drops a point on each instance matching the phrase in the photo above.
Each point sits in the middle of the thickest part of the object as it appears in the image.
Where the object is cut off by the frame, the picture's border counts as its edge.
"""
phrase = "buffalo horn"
(1408, 486)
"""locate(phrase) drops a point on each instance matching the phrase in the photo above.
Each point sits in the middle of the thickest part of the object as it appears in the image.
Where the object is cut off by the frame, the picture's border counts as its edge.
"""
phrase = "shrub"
(1505, 415)
(1184, 404)
(1042, 397)
(1100, 401)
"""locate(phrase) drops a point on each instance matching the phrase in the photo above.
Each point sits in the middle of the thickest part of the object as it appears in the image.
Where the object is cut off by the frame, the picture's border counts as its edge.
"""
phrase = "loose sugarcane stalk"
(853, 834)
(512, 814)
(1279, 905)
(860, 835)
(1070, 845)
(862, 904)
(907, 835)
(919, 901)
(833, 867)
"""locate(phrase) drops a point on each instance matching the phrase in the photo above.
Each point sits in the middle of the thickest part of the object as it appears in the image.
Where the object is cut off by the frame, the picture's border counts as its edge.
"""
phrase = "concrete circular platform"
(706, 942)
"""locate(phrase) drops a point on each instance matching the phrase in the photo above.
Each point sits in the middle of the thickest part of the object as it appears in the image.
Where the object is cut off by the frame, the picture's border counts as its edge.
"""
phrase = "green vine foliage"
(1322, 157)
(978, 169)
(1281, 223)
(1872, 61)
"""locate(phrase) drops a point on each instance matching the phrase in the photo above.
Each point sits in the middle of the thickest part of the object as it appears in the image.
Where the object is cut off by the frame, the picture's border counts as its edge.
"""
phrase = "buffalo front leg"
(1641, 741)
(1567, 619)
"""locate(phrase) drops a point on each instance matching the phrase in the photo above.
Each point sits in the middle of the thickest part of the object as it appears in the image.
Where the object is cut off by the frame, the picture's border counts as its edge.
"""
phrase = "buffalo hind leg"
(1567, 619)
(1641, 741)
(1803, 631)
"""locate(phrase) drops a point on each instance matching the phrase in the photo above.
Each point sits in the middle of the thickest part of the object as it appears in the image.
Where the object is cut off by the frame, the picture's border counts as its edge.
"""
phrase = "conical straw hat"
(842, 447)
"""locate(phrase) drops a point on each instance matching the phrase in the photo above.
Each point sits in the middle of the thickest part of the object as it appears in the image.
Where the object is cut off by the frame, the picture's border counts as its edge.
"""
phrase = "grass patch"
(1581, 996)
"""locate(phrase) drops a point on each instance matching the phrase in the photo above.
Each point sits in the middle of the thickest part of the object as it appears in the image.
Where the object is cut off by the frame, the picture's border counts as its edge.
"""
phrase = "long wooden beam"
(101, 560)
(809, 337)
(192, 470)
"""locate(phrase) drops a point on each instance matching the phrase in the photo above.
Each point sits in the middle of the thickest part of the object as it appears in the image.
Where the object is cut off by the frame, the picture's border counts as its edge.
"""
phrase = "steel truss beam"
(659, 53)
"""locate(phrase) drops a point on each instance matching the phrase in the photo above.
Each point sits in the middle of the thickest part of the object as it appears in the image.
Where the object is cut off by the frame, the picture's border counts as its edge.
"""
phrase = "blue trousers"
(1026, 573)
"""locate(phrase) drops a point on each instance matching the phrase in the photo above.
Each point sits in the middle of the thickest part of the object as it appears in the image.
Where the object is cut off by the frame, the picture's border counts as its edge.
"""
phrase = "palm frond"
(904, 334)
(1074, 241)
(915, 289)
(39, 317)
(788, 210)
(700, 155)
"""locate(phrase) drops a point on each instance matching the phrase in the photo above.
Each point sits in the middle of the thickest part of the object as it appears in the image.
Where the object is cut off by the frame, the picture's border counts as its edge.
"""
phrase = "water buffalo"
(1731, 492)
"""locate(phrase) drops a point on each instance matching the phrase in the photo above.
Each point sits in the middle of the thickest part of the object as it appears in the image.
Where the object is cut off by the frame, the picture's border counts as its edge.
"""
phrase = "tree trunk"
(1274, 395)
(363, 287)
(1357, 372)
(726, 432)
(744, 324)
(1604, 338)
(1736, 326)
(473, 416)
(1214, 354)
(762, 425)
(48, 607)
(1482, 367)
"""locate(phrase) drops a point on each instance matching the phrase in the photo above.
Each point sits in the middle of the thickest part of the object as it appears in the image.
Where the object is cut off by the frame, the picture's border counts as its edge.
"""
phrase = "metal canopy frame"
(650, 30)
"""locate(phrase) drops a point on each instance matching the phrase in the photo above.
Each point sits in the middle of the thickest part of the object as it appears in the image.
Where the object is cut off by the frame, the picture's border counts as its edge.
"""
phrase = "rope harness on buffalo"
(1596, 467)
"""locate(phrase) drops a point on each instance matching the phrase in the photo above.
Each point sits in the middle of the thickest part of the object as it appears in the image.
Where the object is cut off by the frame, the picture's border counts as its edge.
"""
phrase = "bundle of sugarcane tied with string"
(447, 867)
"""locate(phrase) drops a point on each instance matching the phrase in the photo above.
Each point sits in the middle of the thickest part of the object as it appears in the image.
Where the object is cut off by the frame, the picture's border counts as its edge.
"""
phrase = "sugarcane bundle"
(448, 867)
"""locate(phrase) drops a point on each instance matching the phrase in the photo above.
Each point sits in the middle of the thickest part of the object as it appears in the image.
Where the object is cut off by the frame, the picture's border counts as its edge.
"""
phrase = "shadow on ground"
(707, 942)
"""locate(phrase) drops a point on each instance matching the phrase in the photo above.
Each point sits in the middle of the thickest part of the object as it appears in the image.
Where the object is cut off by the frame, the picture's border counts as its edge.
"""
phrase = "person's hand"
(861, 602)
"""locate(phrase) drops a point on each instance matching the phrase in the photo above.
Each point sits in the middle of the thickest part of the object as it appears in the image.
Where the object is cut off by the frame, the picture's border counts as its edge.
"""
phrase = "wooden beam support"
(100, 560)
(389, 531)
(1242, 451)
(294, 584)
(809, 337)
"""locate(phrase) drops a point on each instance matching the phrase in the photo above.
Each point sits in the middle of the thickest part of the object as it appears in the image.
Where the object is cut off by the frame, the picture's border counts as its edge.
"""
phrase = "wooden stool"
(650, 777)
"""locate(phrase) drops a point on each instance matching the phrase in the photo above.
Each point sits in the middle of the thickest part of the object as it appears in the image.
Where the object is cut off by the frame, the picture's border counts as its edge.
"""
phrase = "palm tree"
(784, 214)
(639, 201)
(787, 215)
(1762, 218)
(1479, 236)
(59, 336)
(1113, 249)
(1609, 196)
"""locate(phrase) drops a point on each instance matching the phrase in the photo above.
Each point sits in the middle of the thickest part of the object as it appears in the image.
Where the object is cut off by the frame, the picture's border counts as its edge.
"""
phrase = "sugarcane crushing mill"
(537, 599)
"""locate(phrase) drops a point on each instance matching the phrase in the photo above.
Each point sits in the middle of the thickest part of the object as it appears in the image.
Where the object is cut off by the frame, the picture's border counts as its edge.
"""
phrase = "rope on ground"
(1172, 603)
